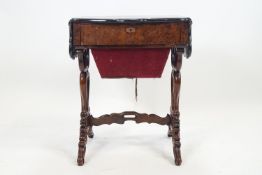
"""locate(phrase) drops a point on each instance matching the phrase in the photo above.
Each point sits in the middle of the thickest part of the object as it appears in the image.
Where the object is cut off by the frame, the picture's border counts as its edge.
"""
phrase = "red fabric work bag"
(130, 62)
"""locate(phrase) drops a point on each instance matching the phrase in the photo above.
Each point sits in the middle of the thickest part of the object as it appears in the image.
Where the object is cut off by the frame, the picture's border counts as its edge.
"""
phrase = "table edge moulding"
(130, 48)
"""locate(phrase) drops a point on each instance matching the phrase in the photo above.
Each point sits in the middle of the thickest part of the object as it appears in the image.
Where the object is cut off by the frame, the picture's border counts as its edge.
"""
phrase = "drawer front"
(158, 35)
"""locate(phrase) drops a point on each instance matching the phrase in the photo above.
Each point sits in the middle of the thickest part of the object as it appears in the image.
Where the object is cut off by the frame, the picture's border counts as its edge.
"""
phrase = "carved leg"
(176, 139)
(176, 60)
(82, 139)
(85, 115)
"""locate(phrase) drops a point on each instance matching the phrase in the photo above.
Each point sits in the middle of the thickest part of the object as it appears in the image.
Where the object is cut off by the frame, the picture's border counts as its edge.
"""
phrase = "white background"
(221, 112)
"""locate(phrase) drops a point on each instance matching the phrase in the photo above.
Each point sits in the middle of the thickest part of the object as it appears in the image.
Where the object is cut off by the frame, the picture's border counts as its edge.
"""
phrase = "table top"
(131, 20)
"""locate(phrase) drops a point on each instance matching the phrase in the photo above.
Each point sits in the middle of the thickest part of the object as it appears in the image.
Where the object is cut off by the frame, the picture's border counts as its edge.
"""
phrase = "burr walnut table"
(130, 48)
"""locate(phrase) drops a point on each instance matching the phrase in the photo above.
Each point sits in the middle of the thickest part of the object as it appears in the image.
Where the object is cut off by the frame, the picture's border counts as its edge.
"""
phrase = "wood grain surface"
(155, 34)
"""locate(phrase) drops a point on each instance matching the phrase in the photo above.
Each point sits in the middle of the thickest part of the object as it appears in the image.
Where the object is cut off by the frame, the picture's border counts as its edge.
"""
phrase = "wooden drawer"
(148, 34)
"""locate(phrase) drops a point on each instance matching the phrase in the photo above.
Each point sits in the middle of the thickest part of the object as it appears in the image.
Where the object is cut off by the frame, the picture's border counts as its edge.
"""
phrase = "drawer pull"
(130, 30)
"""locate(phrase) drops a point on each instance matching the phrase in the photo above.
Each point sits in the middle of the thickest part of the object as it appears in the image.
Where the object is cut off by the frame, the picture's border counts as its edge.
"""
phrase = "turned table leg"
(176, 61)
(85, 125)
